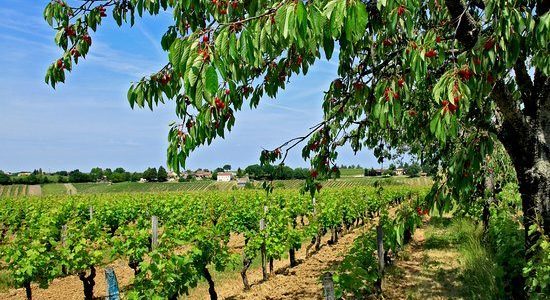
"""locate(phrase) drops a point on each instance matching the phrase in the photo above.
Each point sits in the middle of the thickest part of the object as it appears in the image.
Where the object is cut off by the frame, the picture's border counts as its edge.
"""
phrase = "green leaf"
(211, 80)
(301, 15)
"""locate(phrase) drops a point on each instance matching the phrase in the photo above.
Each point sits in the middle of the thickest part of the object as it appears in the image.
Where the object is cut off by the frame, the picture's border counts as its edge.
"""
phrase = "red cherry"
(313, 147)
(223, 11)
(87, 39)
(205, 39)
(318, 186)
(60, 64)
(452, 107)
(234, 4)
(227, 92)
(431, 53)
(219, 103)
(465, 74)
(314, 174)
(490, 78)
(401, 10)
(387, 42)
(401, 82)
(489, 44)
(438, 39)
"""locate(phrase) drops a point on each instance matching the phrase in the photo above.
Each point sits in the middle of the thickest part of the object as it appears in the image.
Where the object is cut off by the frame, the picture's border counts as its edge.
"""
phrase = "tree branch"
(525, 86)
(466, 27)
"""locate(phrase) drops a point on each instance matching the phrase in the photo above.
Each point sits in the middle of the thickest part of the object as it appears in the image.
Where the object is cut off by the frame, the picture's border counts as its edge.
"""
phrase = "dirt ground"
(423, 273)
(34, 190)
(419, 273)
(71, 190)
(300, 282)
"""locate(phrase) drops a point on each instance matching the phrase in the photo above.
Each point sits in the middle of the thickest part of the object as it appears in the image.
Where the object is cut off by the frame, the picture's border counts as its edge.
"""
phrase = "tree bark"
(28, 290)
(525, 140)
(246, 264)
(88, 283)
(292, 257)
(211, 289)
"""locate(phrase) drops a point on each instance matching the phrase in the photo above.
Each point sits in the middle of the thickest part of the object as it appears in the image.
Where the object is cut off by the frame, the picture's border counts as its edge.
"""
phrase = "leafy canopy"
(415, 76)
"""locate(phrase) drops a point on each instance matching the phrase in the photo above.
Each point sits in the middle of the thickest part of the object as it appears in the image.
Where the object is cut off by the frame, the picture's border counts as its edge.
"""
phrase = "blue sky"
(87, 122)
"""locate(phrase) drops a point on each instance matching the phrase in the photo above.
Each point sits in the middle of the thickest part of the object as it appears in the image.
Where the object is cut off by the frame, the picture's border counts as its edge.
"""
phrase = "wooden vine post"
(380, 252)
(64, 244)
(154, 232)
(328, 287)
(263, 249)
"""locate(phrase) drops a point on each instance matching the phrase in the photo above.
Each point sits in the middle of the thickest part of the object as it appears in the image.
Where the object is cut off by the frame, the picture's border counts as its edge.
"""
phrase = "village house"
(224, 177)
(241, 182)
(173, 176)
(203, 174)
(399, 171)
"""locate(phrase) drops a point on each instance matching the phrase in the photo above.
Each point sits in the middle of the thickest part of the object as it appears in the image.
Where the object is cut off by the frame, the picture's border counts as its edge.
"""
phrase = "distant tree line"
(275, 172)
(412, 170)
(76, 176)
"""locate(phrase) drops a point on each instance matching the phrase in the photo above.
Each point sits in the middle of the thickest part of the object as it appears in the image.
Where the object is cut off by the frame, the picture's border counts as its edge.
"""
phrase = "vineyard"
(172, 241)
(17, 190)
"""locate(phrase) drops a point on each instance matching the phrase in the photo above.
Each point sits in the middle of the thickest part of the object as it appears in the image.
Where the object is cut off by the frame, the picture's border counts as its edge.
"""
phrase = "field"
(197, 233)
(211, 237)
(352, 172)
(16, 190)
(53, 189)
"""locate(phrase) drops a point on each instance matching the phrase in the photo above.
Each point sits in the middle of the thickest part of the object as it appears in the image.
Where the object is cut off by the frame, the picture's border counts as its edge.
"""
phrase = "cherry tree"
(449, 81)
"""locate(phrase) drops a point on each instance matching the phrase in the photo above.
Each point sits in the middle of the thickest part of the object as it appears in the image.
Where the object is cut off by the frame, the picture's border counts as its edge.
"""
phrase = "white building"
(224, 177)
(241, 182)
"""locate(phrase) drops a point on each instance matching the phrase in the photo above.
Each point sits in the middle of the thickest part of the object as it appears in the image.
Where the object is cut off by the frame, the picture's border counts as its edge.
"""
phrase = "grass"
(480, 274)
(5, 281)
(53, 189)
(208, 185)
(352, 172)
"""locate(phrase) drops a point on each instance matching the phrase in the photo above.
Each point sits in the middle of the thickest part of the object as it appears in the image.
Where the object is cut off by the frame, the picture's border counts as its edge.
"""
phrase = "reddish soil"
(300, 282)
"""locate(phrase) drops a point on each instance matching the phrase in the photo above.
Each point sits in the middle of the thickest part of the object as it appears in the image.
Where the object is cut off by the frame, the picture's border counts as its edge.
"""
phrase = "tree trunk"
(134, 264)
(246, 264)
(271, 265)
(28, 290)
(533, 173)
(313, 240)
(264, 262)
(88, 283)
(524, 134)
(292, 257)
(211, 289)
